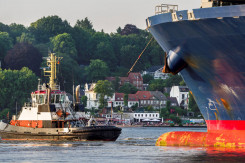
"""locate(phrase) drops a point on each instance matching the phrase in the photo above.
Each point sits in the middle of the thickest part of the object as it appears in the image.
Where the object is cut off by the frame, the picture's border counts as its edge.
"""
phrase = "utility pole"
(111, 111)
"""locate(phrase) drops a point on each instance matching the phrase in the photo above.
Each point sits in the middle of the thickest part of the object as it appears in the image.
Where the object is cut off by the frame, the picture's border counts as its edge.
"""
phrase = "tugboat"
(51, 116)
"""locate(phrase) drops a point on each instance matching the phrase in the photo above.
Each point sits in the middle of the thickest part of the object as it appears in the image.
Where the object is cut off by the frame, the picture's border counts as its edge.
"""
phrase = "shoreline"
(132, 126)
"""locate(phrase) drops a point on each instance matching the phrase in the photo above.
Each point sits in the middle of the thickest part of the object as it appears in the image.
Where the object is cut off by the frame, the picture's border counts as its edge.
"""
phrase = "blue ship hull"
(213, 47)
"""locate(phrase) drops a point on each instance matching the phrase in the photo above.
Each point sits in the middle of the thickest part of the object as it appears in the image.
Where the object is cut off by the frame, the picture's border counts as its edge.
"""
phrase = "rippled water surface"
(134, 145)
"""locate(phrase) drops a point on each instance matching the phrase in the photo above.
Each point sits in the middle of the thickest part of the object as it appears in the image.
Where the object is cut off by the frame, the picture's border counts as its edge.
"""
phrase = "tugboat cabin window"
(57, 100)
(62, 99)
(52, 98)
(40, 99)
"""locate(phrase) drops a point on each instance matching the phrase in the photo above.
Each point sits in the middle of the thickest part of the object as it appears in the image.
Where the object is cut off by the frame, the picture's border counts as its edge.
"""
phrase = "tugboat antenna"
(52, 61)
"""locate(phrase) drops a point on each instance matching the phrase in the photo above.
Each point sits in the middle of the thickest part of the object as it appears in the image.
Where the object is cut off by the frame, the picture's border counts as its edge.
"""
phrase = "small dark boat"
(49, 116)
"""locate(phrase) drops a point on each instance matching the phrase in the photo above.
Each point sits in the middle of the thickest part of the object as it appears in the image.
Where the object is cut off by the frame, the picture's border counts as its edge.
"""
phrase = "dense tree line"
(82, 43)
(88, 55)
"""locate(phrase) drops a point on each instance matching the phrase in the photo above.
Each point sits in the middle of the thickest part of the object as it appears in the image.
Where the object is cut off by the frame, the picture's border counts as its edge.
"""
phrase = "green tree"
(192, 105)
(16, 85)
(173, 80)
(128, 55)
(16, 30)
(155, 53)
(116, 84)
(120, 71)
(175, 119)
(128, 88)
(182, 83)
(179, 110)
(104, 51)
(47, 27)
(84, 100)
(69, 72)
(5, 44)
(97, 70)
(4, 28)
(26, 38)
(164, 113)
(85, 24)
(156, 85)
(135, 106)
(83, 43)
(150, 108)
(103, 88)
(147, 78)
(119, 30)
(125, 99)
(4, 112)
(64, 44)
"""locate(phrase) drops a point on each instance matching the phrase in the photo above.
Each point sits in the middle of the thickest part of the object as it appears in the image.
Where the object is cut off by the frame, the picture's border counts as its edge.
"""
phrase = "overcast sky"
(104, 14)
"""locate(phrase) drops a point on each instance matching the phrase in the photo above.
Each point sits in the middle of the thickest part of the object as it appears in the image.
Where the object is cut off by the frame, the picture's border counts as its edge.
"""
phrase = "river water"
(133, 145)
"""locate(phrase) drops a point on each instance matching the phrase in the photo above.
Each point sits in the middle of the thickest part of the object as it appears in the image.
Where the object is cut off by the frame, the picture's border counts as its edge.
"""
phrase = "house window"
(145, 115)
(138, 115)
(135, 115)
(141, 115)
(150, 115)
(156, 115)
(141, 102)
(116, 103)
(183, 96)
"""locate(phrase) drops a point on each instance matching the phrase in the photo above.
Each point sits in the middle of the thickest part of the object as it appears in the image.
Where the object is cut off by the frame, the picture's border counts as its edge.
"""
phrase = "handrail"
(165, 8)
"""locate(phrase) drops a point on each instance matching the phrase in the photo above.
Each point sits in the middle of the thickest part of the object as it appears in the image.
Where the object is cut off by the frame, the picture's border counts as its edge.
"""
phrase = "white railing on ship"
(41, 87)
(56, 87)
(28, 104)
(165, 8)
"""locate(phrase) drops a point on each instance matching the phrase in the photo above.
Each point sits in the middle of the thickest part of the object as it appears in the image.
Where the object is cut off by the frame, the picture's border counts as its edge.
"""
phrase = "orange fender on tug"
(27, 123)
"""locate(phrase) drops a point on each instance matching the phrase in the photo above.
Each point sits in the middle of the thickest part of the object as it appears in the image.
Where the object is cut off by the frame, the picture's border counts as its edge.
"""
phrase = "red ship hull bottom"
(221, 133)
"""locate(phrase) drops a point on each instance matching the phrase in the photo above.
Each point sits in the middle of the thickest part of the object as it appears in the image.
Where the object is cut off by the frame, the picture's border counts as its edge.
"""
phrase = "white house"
(132, 100)
(118, 100)
(144, 117)
(181, 93)
(156, 72)
(93, 99)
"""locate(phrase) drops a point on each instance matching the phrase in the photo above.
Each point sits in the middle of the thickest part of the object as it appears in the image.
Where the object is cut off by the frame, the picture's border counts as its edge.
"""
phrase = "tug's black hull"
(93, 133)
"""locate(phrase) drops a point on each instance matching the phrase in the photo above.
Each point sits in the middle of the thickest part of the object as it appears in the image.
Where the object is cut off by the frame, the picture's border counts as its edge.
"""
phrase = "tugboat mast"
(52, 60)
